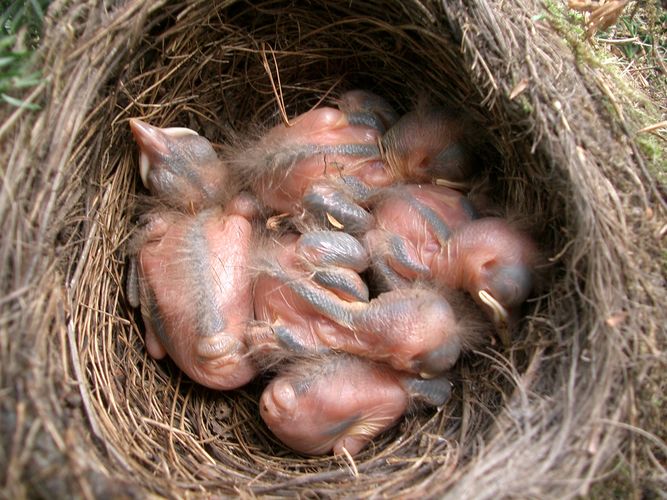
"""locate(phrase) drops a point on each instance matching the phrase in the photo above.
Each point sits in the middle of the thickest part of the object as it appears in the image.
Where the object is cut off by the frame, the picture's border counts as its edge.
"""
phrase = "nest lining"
(541, 418)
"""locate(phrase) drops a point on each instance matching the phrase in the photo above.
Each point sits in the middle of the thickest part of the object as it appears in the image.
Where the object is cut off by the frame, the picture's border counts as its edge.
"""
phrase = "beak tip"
(152, 145)
(141, 131)
(135, 125)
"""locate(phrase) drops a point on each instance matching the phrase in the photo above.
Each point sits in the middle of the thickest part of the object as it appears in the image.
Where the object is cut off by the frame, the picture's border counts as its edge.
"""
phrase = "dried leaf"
(519, 88)
(616, 319)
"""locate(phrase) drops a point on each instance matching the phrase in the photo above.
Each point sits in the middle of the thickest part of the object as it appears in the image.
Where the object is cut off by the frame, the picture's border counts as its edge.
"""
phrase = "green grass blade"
(19, 103)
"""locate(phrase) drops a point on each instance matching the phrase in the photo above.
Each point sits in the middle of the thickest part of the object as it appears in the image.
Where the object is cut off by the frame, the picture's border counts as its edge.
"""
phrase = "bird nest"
(85, 411)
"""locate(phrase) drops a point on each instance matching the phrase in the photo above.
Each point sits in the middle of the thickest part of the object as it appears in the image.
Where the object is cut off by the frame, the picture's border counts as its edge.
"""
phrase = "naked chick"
(340, 403)
(189, 264)
(433, 233)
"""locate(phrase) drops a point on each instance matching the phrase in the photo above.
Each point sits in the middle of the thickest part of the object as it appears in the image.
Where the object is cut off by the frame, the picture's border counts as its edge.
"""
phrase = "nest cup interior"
(213, 67)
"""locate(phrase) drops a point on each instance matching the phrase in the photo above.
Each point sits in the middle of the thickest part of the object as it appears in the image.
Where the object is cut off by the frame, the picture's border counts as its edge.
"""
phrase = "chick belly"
(202, 297)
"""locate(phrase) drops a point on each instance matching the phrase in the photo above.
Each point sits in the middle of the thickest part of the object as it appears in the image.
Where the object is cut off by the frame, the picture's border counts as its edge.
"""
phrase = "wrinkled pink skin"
(245, 205)
(277, 304)
(413, 329)
(342, 404)
(475, 255)
(293, 167)
(195, 294)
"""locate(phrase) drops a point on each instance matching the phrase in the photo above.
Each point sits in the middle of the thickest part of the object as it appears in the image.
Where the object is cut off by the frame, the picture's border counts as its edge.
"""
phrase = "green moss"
(23, 18)
(570, 25)
(620, 485)
(644, 34)
(653, 149)
(20, 29)
(525, 104)
(638, 110)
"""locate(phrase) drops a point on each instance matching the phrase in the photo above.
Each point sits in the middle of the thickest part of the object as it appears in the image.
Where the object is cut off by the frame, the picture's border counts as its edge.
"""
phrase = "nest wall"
(84, 411)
